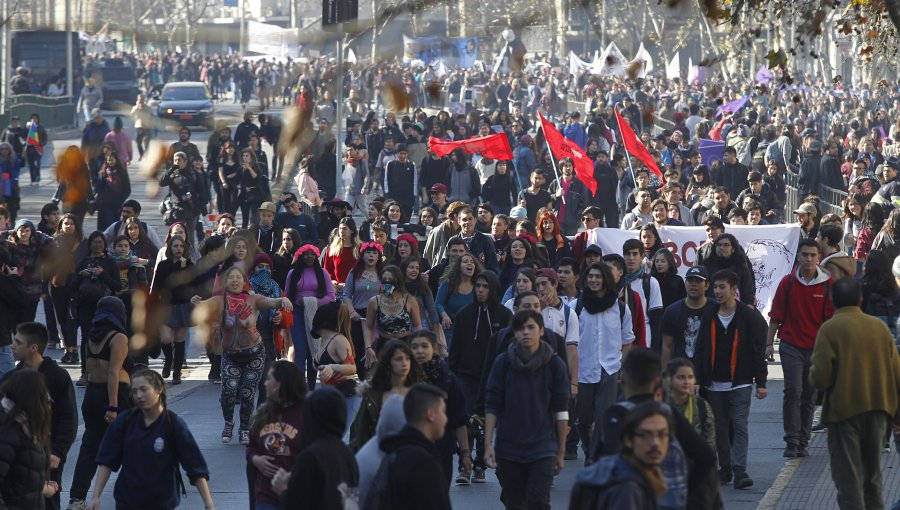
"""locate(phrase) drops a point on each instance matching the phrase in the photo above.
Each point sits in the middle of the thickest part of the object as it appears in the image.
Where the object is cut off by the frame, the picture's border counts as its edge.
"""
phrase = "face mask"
(264, 270)
(388, 289)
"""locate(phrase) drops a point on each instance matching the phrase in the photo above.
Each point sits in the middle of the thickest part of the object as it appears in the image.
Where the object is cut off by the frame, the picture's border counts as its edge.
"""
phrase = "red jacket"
(801, 308)
(636, 306)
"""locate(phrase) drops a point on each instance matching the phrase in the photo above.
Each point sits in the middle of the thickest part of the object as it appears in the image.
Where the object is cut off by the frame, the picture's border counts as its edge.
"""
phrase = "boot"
(167, 363)
(215, 368)
(178, 362)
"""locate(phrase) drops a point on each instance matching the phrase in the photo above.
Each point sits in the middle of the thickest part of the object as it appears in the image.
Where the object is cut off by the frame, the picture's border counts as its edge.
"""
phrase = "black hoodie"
(416, 477)
(325, 462)
(475, 324)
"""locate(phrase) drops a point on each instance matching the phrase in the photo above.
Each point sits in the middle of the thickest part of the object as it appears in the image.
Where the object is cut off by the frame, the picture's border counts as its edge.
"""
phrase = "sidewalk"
(806, 483)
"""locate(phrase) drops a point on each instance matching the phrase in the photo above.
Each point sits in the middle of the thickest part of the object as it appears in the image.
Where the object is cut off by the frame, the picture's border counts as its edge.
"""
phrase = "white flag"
(440, 70)
(351, 57)
(576, 65)
(673, 70)
(612, 62)
(643, 58)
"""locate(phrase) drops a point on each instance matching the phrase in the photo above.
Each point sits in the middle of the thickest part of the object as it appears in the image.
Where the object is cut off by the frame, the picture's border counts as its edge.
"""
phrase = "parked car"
(186, 103)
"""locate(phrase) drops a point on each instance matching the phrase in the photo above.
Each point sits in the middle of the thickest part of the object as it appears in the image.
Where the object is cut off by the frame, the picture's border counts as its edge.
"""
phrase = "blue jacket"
(148, 462)
(527, 397)
(576, 133)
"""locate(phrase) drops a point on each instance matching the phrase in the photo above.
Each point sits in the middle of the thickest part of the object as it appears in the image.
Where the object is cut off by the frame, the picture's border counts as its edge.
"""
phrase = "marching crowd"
(469, 322)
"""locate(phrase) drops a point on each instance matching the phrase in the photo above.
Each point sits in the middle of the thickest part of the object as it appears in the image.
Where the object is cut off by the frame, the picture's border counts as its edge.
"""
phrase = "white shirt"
(555, 321)
(600, 346)
(654, 303)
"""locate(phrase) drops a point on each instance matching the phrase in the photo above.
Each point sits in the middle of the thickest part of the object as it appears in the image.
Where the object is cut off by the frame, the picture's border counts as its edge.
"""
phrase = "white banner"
(770, 248)
(673, 70)
(644, 60)
(271, 40)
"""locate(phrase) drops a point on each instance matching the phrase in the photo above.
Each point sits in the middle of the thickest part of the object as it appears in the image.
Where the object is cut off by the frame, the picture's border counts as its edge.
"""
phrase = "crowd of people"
(468, 319)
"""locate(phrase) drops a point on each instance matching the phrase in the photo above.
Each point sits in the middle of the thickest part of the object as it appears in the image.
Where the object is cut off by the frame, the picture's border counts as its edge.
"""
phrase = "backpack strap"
(645, 284)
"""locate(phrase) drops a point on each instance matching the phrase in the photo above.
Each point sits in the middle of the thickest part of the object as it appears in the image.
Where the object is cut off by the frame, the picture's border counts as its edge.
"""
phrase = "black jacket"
(22, 467)
(749, 329)
(611, 483)
(482, 247)
(64, 420)
(607, 183)
(808, 183)
(830, 174)
(733, 177)
(416, 477)
(474, 326)
(12, 297)
(703, 481)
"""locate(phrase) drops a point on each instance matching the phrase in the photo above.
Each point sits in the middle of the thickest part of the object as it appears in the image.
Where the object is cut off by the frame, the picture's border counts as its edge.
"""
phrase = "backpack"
(675, 464)
(169, 438)
(380, 495)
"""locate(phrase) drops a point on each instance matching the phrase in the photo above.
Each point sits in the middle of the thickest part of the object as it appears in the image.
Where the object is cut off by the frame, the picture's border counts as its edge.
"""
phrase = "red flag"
(491, 146)
(562, 147)
(635, 147)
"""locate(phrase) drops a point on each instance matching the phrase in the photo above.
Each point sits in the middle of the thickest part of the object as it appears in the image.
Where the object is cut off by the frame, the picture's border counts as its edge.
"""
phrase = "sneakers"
(69, 358)
(742, 480)
(803, 451)
(725, 475)
(176, 378)
(77, 504)
(819, 427)
(463, 478)
(478, 475)
(791, 452)
(228, 431)
(245, 437)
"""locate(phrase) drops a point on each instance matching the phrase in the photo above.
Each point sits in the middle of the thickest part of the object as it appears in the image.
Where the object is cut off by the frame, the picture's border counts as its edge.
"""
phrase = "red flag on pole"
(491, 146)
(562, 147)
(635, 147)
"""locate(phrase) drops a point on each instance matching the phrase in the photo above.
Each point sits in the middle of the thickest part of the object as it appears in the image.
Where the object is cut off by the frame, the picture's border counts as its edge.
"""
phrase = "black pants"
(93, 409)
(67, 327)
(249, 213)
(50, 317)
(525, 485)
(29, 311)
(359, 344)
(476, 438)
(269, 344)
(55, 476)
(143, 140)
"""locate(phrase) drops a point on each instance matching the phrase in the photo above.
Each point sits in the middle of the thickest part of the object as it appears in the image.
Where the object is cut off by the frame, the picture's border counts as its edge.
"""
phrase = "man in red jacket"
(802, 303)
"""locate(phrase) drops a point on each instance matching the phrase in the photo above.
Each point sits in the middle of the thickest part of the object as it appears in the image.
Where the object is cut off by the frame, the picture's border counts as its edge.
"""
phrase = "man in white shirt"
(638, 277)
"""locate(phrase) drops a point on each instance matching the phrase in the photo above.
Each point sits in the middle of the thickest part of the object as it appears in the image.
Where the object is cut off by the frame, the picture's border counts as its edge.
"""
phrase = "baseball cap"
(267, 206)
(594, 249)
(806, 208)
(439, 188)
(698, 272)
(518, 212)
(548, 273)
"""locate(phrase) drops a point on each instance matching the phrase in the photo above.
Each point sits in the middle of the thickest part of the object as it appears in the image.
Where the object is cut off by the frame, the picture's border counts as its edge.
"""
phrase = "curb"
(773, 496)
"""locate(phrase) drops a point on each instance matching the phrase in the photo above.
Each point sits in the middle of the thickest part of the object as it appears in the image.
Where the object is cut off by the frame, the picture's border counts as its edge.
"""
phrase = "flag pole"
(553, 163)
(630, 168)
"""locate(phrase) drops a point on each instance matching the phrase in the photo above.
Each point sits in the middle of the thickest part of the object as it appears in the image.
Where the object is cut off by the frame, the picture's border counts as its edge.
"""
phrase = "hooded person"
(462, 179)
(369, 457)
(326, 471)
(476, 323)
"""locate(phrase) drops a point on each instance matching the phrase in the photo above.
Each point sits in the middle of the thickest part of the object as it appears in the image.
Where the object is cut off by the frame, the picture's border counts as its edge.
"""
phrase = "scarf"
(630, 277)
(126, 261)
(653, 475)
(519, 360)
(596, 304)
(433, 372)
(262, 283)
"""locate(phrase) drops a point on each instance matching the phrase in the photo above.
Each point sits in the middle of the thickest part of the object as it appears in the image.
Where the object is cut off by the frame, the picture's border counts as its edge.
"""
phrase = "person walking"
(25, 441)
(526, 403)
(632, 478)
(855, 355)
(147, 445)
(731, 354)
(801, 305)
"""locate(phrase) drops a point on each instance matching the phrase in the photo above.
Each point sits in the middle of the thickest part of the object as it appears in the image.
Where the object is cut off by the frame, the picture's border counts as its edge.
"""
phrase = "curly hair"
(454, 275)
(380, 379)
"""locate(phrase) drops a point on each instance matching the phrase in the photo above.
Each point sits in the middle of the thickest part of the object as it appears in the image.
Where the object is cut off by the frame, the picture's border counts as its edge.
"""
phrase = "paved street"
(197, 401)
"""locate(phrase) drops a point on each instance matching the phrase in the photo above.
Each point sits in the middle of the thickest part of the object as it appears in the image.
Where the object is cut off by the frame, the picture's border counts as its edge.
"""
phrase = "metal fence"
(54, 111)
(831, 201)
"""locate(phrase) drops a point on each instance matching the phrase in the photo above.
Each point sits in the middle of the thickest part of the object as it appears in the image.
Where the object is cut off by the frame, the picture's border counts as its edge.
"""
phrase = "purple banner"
(763, 76)
(732, 106)
(711, 150)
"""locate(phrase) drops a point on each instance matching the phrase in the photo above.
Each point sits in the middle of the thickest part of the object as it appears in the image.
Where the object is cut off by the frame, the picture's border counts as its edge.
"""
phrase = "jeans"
(525, 484)
(7, 362)
(857, 442)
(303, 355)
(799, 395)
(33, 158)
(353, 404)
(592, 401)
(731, 410)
